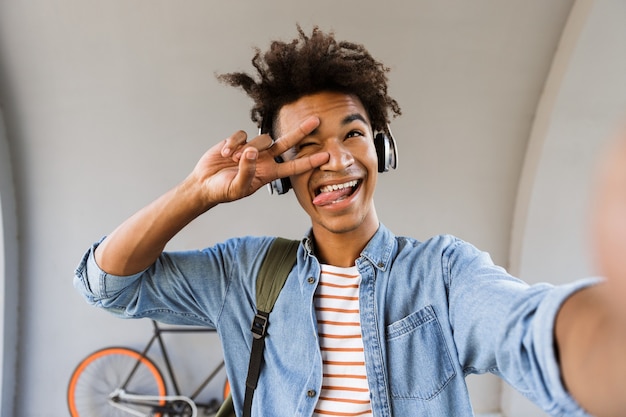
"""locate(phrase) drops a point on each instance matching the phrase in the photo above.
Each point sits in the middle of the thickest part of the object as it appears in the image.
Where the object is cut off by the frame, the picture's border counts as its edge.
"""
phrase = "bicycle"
(121, 381)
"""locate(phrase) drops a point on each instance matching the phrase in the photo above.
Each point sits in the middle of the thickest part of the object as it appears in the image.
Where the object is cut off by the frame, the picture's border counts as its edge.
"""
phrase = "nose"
(340, 156)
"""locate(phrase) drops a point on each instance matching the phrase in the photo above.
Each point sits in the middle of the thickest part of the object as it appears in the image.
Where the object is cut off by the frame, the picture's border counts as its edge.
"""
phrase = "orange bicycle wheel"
(226, 389)
(101, 373)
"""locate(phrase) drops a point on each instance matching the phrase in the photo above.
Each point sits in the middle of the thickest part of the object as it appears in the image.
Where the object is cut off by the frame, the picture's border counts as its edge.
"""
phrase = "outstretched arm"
(591, 326)
(230, 170)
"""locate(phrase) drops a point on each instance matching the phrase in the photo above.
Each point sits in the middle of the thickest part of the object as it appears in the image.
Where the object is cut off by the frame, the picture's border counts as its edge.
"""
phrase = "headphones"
(386, 150)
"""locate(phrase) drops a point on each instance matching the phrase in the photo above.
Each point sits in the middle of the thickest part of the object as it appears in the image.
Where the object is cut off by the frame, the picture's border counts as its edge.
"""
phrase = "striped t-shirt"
(344, 386)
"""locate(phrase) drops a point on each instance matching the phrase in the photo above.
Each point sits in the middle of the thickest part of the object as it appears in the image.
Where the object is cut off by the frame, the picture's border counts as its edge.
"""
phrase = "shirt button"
(311, 393)
(310, 280)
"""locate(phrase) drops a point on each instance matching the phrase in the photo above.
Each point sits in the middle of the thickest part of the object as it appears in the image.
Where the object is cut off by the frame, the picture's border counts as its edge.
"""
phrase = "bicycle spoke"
(101, 374)
(122, 382)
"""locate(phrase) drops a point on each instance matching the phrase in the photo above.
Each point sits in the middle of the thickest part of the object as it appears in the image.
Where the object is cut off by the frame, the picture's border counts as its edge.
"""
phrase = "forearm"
(230, 170)
(138, 242)
(591, 341)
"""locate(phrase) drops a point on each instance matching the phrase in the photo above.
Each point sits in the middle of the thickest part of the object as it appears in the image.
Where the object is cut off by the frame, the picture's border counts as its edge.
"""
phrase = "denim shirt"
(432, 312)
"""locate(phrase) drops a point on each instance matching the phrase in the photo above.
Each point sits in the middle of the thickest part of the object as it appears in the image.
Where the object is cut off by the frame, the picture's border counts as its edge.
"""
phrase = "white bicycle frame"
(123, 395)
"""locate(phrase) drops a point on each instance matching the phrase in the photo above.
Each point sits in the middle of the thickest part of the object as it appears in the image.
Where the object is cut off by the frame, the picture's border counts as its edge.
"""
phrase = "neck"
(341, 249)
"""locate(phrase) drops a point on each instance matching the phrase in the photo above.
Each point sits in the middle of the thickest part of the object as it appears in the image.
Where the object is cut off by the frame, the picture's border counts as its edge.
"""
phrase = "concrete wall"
(582, 107)
(108, 104)
(9, 286)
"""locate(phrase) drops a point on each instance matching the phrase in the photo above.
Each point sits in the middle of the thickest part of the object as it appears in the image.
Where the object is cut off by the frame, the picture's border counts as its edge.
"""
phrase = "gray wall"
(9, 281)
(108, 104)
(583, 106)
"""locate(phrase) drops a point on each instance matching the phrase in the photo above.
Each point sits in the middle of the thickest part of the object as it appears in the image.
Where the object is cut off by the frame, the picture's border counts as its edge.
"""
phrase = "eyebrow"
(347, 120)
(352, 117)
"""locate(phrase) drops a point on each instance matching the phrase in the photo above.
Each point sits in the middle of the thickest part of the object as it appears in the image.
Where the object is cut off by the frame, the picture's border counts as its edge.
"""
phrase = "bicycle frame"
(121, 395)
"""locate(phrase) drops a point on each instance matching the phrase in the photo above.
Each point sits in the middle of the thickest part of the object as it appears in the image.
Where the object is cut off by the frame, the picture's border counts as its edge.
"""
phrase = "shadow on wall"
(8, 277)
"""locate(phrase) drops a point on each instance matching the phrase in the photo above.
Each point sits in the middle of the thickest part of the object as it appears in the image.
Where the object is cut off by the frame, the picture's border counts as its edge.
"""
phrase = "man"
(368, 323)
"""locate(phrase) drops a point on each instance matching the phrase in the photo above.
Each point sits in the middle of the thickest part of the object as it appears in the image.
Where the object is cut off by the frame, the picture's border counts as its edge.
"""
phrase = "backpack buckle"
(259, 326)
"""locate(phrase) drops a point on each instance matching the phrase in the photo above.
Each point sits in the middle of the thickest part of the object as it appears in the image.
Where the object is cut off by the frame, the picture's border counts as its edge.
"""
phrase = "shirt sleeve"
(531, 364)
(96, 285)
(181, 287)
(505, 326)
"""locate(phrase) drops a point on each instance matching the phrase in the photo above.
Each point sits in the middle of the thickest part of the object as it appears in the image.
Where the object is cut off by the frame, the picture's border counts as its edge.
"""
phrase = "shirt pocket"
(418, 362)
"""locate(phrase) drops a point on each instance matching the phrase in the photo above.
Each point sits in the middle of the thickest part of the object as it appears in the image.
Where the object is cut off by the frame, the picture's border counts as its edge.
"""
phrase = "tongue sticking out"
(324, 199)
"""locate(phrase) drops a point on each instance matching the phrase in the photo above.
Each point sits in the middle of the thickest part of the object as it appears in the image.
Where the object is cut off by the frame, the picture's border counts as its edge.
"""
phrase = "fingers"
(256, 158)
(301, 165)
(610, 211)
(233, 143)
(609, 222)
(262, 142)
(242, 182)
(290, 139)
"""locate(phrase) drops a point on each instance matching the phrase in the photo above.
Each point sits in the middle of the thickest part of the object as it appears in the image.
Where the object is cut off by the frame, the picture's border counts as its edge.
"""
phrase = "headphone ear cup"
(386, 152)
(379, 144)
(280, 185)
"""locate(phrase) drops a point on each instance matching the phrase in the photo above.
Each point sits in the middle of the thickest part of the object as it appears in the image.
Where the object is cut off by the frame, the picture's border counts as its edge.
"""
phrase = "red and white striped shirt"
(344, 386)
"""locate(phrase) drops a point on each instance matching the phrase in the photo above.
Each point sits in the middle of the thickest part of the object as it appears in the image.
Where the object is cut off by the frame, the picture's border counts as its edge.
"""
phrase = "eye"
(303, 147)
(354, 133)
(305, 144)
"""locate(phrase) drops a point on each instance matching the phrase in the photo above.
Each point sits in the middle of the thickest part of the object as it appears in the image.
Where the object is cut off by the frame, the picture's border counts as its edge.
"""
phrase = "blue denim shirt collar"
(378, 250)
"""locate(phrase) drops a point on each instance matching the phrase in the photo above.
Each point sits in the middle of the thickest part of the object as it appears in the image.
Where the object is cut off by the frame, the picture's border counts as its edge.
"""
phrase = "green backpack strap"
(275, 268)
(227, 409)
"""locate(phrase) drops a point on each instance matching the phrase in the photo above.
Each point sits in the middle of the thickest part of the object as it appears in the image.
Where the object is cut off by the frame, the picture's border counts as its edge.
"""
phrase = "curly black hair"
(308, 65)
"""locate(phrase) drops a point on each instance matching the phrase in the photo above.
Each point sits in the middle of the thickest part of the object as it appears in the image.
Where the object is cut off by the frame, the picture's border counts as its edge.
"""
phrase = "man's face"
(338, 196)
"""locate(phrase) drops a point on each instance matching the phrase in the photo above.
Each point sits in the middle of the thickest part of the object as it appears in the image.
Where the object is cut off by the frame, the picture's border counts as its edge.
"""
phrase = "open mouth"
(331, 194)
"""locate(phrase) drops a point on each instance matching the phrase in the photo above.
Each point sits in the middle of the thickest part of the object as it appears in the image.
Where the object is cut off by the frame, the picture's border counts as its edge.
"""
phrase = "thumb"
(242, 183)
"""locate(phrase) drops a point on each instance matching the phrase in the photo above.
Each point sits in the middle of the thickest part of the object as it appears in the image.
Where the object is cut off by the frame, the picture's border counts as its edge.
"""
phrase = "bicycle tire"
(105, 370)
(226, 390)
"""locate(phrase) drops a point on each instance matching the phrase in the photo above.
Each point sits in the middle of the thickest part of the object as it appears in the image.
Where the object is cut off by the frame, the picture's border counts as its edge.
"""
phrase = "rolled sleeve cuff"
(563, 404)
(96, 284)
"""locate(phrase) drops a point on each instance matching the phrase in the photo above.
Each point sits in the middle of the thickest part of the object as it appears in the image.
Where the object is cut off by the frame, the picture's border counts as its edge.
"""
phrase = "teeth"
(335, 187)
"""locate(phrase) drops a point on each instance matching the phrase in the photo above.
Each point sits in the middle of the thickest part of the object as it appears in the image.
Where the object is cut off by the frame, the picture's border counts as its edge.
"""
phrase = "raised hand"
(230, 170)
(609, 223)
(591, 325)
(236, 168)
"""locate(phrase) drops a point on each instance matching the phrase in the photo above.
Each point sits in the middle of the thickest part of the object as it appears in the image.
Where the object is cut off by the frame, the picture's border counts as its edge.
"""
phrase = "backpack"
(275, 268)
